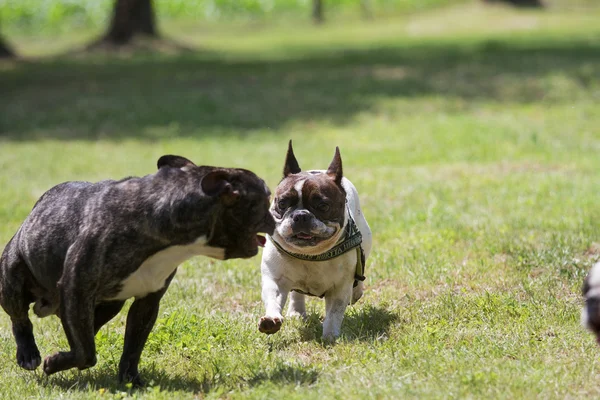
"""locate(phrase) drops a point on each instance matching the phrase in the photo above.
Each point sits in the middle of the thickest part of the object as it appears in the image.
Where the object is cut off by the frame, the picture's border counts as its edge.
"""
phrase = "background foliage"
(66, 14)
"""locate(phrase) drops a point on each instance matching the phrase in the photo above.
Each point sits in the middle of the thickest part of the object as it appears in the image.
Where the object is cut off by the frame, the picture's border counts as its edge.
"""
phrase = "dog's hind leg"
(15, 300)
(336, 302)
(77, 306)
(297, 305)
(77, 317)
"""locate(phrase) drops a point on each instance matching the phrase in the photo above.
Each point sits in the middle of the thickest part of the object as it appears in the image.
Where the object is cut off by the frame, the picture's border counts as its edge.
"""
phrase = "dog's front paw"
(134, 378)
(55, 363)
(128, 373)
(269, 325)
(65, 360)
(29, 358)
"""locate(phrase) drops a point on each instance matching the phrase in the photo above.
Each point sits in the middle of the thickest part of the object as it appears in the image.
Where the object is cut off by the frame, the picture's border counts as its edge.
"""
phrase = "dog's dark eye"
(324, 207)
(282, 204)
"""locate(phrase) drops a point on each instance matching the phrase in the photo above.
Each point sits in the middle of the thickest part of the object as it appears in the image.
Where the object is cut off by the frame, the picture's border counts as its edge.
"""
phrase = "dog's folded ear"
(291, 164)
(335, 168)
(216, 183)
(174, 162)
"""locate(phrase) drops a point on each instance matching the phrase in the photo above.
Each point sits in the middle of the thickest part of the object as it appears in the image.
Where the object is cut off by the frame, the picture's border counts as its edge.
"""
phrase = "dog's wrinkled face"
(244, 215)
(242, 210)
(309, 207)
(590, 316)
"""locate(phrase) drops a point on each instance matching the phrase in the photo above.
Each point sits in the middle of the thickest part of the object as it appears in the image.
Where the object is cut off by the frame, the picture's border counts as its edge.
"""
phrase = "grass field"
(472, 135)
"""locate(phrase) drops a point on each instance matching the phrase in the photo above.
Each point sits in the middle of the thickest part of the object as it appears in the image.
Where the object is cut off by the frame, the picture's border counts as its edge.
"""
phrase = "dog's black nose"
(301, 216)
(302, 221)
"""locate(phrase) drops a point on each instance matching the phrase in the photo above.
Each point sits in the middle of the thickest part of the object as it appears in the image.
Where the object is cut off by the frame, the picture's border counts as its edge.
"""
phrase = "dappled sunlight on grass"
(231, 91)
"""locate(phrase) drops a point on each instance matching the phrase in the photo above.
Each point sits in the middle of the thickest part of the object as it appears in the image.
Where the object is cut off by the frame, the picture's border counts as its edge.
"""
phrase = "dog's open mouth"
(261, 240)
(304, 236)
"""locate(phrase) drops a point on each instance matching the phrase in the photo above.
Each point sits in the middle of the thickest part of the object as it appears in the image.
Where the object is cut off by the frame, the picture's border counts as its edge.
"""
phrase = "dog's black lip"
(314, 240)
(309, 236)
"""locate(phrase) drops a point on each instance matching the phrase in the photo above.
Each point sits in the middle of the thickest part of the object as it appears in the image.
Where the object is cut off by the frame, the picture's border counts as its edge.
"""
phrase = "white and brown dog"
(590, 315)
(319, 247)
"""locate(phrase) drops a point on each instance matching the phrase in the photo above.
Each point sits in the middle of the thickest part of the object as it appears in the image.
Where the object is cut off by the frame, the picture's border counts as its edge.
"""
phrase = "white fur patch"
(298, 186)
(584, 317)
(594, 280)
(151, 275)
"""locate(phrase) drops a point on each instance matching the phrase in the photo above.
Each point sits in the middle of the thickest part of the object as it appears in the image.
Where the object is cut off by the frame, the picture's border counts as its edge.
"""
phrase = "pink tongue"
(261, 240)
(303, 236)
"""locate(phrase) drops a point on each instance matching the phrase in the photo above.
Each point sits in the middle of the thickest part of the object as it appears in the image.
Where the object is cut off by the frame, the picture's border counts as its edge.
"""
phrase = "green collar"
(351, 239)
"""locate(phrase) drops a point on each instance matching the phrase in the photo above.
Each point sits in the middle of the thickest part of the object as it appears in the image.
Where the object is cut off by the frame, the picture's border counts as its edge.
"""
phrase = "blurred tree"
(519, 3)
(366, 9)
(317, 11)
(5, 50)
(130, 18)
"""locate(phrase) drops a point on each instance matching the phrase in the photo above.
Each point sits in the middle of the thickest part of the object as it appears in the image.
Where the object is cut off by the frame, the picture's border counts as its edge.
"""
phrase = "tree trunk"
(317, 11)
(131, 17)
(5, 50)
(519, 3)
(366, 9)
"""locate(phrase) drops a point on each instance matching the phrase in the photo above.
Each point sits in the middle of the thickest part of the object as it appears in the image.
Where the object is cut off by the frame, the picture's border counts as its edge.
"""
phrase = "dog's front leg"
(274, 298)
(336, 302)
(140, 321)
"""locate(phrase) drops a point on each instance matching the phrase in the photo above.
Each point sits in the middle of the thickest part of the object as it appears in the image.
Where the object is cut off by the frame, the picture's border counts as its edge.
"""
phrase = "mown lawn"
(472, 135)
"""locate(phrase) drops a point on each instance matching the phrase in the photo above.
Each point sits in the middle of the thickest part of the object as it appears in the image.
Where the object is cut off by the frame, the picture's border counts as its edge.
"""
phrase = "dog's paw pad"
(29, 361)
(132, 378)
(54, 363)
(269, 325)
(47, 367)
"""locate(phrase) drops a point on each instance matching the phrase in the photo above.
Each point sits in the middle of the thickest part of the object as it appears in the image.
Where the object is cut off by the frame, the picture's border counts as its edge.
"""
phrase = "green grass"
(472, 135)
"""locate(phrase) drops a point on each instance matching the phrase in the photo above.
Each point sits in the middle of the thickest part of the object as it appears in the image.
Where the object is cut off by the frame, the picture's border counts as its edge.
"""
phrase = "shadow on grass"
(284, 374)
(362, 323)
(105, 380)
(191, 95)
(367, 323)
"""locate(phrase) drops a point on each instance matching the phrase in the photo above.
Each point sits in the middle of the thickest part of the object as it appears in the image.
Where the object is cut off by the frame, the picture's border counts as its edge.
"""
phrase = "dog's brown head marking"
(310, 206)
(321, 194)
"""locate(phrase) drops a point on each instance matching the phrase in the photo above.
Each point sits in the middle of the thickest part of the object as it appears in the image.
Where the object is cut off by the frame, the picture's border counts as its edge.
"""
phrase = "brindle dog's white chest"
(152, 274)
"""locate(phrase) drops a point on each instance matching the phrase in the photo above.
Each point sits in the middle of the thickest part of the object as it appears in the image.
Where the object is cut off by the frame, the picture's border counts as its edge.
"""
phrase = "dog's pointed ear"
(174, 162)
(291, 164)
(216, 183)
(335, 168)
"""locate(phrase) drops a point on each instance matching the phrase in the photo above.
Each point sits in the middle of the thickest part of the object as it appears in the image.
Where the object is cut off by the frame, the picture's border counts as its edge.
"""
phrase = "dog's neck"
(350, 239)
